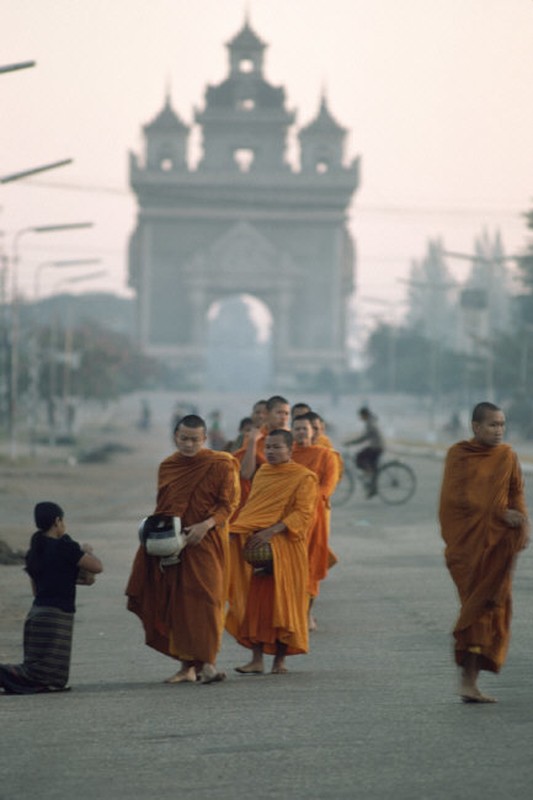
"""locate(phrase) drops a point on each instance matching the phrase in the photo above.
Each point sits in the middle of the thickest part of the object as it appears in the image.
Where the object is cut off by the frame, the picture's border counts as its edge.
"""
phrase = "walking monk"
(182, 606)
(483, 519)
(324, 463)
(319, 430)
(279, 511)
(240, 571)
(277, 416)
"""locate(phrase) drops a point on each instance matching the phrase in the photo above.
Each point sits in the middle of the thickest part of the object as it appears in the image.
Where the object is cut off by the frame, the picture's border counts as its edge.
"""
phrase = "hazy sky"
(436, 95)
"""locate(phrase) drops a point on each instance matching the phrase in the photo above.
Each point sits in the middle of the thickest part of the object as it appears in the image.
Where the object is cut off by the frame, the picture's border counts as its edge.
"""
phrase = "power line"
(392, 210)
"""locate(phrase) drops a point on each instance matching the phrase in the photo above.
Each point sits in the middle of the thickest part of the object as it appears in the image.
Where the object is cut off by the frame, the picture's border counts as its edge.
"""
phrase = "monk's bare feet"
(252, 668)
(312, 623)
(210, 674)
(469, 691)
(185, 675)
(475, 696)
(278, 667)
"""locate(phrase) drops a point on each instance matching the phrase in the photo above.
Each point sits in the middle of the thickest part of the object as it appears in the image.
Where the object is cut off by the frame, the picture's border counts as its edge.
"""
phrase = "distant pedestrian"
(215, 436)
(55, 564)
(245, 426)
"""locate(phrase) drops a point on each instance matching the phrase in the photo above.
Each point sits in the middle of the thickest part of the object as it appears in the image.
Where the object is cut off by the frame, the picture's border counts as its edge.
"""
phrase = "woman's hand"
(85, 578)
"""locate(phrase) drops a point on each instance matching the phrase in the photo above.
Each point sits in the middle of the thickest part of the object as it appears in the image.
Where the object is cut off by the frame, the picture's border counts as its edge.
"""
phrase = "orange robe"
(240, 572)
(182, 606)
(276, 606)
(324, 441)
(479, 484)
(325, 464)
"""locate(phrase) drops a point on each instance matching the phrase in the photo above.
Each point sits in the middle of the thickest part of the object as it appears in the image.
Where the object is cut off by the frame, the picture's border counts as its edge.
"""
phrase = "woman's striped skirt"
(47, 650)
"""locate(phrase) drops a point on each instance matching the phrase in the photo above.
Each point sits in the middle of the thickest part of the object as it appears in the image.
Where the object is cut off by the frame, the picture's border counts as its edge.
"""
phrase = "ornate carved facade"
(244, 221)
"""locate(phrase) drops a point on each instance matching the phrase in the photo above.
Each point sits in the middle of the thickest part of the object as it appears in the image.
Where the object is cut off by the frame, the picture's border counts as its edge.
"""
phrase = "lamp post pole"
(13, 396)
(33, 359)
(66, 356)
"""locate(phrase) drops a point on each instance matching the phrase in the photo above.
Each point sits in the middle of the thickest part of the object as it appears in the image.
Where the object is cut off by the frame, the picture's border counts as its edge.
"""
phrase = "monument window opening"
(166, 164)
(246, 105)
(244, 158)
(246, 65)
(322, 167)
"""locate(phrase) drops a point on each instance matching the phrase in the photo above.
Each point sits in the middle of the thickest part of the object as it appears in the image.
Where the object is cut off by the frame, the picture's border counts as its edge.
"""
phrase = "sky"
(436, 95)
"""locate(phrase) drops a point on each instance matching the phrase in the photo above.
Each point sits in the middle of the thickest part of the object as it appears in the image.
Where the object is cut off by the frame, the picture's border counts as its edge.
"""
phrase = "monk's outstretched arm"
(249, 460)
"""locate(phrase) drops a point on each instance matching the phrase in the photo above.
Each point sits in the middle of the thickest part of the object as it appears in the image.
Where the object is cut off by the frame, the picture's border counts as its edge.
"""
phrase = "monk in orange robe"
(277, 417)
(319, 430)
(324, 463)
(279, 510)
(298, 410)
(240, 570)
(267, 415)
(182, 606)
(483, 520)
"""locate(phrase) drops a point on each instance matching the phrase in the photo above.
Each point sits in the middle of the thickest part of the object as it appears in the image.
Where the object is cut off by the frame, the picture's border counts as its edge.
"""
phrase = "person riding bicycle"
(367, 459)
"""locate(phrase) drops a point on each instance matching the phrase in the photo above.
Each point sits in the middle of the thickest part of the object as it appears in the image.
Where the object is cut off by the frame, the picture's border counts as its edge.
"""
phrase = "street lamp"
(15, 316)
(70, 262)
(67, 357)
(34, 367)
(17, 66)
(26, 173)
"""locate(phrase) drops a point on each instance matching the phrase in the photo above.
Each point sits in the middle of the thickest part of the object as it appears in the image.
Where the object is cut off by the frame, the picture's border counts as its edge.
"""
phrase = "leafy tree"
(525, 269)
(93, 363)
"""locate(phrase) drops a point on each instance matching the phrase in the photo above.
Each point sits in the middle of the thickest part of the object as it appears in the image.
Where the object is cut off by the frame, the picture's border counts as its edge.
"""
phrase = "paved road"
(370, 713)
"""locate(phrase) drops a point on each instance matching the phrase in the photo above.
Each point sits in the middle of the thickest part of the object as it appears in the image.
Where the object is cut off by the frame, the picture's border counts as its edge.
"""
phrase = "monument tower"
(244, 221)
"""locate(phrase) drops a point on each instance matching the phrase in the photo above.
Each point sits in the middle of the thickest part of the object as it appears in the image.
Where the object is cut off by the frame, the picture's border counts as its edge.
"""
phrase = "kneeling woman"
(55, 564)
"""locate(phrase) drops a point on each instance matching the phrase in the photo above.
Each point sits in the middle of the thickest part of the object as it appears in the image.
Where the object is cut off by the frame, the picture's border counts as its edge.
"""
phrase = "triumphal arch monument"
(244, 220)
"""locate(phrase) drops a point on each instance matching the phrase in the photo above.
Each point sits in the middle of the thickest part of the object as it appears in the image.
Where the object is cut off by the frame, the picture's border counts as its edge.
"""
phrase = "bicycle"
(395, 481)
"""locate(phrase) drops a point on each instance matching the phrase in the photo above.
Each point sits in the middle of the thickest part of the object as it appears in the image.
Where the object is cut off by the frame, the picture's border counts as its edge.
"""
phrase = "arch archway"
(239, 345)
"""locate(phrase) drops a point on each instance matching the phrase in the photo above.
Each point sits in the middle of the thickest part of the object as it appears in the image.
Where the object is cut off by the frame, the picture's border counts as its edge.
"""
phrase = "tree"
(431, 287)
(525, 270)
(93, 363)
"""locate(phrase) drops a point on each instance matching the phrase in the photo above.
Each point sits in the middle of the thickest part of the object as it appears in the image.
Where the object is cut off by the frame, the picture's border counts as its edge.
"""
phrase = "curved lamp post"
(68, 348)
(34, 367)
(15, 317)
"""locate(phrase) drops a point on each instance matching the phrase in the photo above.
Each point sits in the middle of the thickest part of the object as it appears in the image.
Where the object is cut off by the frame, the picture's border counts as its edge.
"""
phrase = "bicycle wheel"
(395, 482)
(345, 488)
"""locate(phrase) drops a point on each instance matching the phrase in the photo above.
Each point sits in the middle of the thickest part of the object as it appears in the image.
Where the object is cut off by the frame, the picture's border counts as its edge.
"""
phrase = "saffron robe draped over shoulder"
(480, 483)
(325, 464)
(182, 606)
(276, 606)
(240, 572)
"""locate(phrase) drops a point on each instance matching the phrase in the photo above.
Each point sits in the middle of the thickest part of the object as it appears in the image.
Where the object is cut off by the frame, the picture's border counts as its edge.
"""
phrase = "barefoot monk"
(181, 605)
(278, 512)
(323, 461)
(483, 519)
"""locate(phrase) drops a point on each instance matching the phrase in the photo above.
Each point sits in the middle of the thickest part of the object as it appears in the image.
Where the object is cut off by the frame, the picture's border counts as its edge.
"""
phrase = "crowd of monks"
(272, 490)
